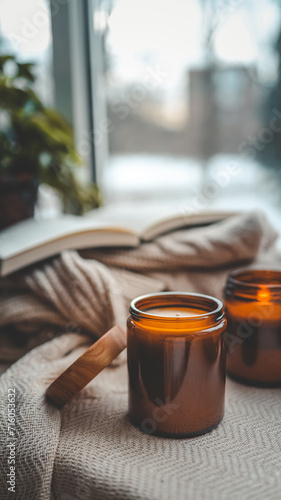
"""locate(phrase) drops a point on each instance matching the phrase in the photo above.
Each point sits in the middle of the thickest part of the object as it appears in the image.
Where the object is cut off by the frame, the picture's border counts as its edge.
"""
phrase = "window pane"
(25, 30)
(187, 85)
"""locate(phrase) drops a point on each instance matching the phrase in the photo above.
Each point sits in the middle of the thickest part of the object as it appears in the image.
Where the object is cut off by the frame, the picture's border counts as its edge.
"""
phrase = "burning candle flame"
(263, 295)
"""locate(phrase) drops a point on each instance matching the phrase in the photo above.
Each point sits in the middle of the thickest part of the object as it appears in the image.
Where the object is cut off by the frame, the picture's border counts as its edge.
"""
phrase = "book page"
(151, 220)
(33, 233)
(137, 217)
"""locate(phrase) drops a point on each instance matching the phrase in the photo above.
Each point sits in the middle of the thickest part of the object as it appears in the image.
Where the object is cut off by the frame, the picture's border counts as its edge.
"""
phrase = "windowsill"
(132, 181)
(226, 183)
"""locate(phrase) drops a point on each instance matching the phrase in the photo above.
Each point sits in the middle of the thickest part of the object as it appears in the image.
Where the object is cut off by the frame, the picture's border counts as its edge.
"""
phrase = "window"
(187, 84)
(25, 30)
(170, 101)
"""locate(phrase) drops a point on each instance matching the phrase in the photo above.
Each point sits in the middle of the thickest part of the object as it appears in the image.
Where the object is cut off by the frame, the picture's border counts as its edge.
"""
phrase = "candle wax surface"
(174, 312)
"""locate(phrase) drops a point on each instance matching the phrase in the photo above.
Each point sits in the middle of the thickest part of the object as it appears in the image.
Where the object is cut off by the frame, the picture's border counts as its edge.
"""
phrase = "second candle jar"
(176, 363)
(253, 309)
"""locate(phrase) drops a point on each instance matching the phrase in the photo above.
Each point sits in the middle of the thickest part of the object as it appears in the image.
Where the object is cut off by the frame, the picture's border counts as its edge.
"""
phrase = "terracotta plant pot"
(17, 199)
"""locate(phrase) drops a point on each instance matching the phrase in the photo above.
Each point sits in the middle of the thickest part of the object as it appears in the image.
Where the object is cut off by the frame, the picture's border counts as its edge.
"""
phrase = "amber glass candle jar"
(253, 309)
(176, 363)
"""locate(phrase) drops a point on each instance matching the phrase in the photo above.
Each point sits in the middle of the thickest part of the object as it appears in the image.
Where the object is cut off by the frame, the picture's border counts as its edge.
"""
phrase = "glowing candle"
(176, 363)
(253, 309)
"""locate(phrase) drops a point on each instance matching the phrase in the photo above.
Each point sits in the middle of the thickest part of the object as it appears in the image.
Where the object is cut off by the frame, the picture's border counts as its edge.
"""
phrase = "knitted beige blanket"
(89, 450)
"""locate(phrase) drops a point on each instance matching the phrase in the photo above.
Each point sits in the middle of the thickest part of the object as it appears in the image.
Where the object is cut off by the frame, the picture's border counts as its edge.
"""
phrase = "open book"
(33, 240)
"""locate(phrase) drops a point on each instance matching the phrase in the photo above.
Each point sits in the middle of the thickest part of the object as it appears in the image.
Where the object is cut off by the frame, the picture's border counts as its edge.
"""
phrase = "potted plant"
(36, 146)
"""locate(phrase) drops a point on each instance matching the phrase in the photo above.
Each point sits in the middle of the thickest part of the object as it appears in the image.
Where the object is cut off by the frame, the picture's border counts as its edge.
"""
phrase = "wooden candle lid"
(87, 366)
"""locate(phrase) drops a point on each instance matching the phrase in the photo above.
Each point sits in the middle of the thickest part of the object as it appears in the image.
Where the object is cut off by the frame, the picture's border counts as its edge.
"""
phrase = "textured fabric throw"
(51, 312)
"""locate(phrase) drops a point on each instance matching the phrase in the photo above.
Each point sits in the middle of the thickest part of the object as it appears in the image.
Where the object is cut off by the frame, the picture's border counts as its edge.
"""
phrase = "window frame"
(79, 93)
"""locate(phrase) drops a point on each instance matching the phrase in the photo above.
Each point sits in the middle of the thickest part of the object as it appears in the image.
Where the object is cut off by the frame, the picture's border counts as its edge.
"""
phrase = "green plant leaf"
(25, 71)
